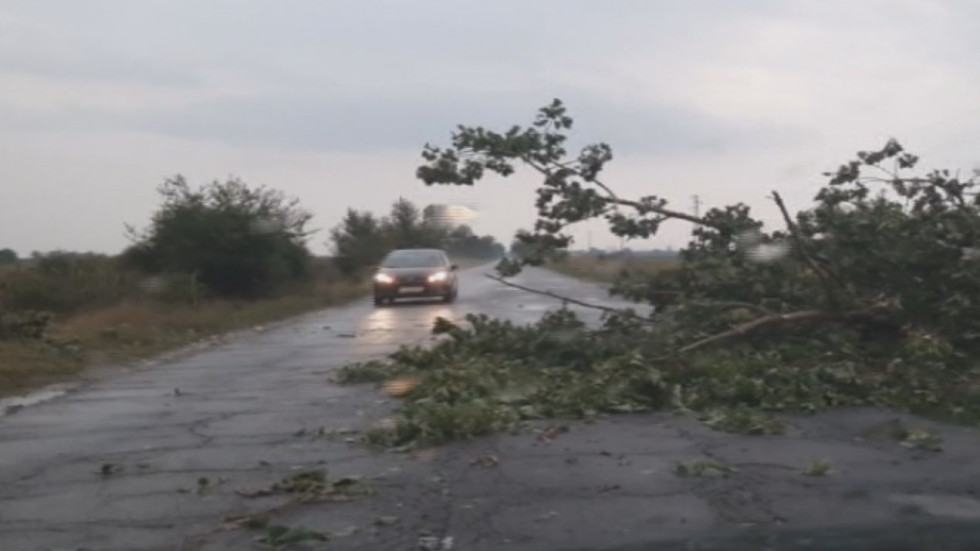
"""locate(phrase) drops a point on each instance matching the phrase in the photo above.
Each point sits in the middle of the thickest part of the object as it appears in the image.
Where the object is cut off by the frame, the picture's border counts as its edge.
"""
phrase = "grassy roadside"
(141, 328)
(607, 270)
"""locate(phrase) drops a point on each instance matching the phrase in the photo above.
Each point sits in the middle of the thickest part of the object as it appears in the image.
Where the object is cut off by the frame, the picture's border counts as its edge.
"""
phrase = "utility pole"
(697, 205)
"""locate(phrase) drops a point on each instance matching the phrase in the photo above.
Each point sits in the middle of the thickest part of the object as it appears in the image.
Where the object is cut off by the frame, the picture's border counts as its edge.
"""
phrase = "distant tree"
(521, 249)
(361, 240)
(235, 239)
(358, 241)
(462, 241)
(8, 256)
(407, 229)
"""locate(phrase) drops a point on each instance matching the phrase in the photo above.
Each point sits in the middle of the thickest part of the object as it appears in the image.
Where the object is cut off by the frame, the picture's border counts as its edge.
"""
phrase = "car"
(409, 273)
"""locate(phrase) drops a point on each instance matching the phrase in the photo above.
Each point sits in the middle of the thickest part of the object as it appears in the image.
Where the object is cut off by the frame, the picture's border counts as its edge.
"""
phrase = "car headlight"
(384, 278)
(438, 276)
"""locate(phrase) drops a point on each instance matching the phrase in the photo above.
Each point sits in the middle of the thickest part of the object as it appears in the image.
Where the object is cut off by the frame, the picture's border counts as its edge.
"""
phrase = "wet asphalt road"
(241, 414)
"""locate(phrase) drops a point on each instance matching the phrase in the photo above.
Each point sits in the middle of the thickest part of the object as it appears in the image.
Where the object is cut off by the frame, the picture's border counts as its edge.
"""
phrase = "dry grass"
(28, 363)
(607, 270)
(140, 328)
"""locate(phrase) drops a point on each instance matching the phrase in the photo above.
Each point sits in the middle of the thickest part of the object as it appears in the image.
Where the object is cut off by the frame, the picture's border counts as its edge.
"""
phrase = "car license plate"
(411, 290)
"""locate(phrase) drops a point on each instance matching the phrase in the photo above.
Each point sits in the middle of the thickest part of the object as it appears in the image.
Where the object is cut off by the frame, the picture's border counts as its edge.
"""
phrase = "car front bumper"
(411, 290)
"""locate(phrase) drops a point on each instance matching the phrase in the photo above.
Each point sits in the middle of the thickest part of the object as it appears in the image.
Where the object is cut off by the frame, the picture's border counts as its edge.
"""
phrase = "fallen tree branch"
(721, 304)
(743, 329)
(553, 295)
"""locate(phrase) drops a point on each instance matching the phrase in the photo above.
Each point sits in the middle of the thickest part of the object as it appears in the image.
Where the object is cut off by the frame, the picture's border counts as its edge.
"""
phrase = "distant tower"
(697, 206)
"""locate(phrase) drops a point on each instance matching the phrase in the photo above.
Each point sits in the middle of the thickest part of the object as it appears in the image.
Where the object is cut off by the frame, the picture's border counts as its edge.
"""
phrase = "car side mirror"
(453, 268)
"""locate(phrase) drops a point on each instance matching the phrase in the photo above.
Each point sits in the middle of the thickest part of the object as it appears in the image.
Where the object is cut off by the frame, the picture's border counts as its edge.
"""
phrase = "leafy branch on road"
(868, 296)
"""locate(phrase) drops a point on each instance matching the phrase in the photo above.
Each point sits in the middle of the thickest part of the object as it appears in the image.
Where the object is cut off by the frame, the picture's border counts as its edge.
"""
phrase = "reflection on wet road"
(409, 320)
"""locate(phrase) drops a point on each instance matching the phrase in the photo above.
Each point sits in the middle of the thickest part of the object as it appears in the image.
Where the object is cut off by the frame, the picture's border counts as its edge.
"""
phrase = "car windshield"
(413, 259)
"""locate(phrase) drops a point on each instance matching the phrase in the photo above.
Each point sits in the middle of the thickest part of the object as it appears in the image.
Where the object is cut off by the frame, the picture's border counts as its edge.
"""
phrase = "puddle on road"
(15, 403)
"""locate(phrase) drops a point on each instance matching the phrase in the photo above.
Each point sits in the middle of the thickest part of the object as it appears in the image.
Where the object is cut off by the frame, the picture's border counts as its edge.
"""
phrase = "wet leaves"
(493, 376)
(255, 521)
(109, 469)
(387, 520)
(817, 468)
(703, 468)
(923, 440)
(742, 420)
(279, 536)
(313, 485)
(365, 372)
(486, 461)
(548, 434)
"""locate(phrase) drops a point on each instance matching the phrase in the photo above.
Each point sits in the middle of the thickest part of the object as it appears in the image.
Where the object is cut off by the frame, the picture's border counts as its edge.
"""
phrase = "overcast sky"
(332, 101)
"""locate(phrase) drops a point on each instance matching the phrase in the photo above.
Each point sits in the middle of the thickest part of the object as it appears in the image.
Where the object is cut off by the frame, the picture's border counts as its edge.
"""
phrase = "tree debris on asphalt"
(313, 485)
(865, 298)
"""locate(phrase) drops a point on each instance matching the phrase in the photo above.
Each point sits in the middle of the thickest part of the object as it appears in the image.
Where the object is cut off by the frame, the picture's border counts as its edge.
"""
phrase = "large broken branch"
(743, 329)
(719, 304)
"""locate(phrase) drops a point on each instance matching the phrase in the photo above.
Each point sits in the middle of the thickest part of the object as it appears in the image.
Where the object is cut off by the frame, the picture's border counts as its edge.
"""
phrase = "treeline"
(224, 240)
(362, 239)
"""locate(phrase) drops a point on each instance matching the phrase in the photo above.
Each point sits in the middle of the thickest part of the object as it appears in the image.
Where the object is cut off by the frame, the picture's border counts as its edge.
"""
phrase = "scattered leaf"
(109, 469)
(817, 468)
(703, 468)
(277, 536)
(387, 520)
(486, 461)
(924, 440)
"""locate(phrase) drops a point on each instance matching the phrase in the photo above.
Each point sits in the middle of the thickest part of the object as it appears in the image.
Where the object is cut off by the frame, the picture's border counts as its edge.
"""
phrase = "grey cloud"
(377, 124)
(366, 124)
(97, 67)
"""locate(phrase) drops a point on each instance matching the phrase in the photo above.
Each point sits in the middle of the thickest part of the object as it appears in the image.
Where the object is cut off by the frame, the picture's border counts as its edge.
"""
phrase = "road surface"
(156, 457)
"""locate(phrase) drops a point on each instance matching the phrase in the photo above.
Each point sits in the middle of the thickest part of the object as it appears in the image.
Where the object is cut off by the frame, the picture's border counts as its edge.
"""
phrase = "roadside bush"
(23, 325)
(238, 241)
